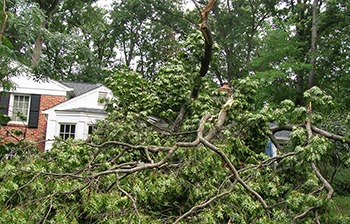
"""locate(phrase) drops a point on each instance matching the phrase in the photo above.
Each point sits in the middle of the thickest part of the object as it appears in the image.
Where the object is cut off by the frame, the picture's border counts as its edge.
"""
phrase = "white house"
(76, 117)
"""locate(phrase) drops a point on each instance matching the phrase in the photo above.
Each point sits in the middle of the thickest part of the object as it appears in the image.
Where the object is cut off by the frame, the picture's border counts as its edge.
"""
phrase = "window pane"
(72, 129)
(91, 128)
(67, 131)
(62, 128)
(20, 104)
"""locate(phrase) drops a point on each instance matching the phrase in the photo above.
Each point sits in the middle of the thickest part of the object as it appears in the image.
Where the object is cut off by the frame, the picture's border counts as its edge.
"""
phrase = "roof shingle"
(79, 87)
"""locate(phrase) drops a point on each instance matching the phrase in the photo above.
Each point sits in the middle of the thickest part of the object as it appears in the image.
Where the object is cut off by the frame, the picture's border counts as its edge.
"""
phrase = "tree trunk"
(4, 21)
(299, 99)
(48, 10)
(311, 82)
(38, 45)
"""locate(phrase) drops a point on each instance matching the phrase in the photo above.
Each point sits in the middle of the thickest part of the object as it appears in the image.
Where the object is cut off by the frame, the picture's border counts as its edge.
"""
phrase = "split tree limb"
(204, 26)
(313, 166)
(204, 64)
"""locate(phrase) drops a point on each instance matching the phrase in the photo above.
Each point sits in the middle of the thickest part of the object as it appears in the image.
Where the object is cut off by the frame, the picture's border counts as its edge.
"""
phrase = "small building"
(76, 117)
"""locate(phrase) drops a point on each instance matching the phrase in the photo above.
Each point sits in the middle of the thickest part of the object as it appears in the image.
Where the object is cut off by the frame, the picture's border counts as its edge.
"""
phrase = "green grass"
(343, 205)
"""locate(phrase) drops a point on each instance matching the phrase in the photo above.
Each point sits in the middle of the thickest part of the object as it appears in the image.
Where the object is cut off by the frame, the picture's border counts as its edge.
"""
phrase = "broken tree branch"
(204, 26)
(313, 166)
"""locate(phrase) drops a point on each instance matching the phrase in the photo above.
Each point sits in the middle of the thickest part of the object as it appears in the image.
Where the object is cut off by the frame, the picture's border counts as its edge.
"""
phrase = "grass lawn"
(343, 205)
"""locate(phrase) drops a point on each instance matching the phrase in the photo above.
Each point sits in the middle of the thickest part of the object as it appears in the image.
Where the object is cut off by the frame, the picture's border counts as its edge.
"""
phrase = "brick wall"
(34, 134)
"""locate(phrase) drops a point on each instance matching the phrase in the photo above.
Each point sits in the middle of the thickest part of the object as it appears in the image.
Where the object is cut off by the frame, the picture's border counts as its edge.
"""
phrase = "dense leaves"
(132, 169)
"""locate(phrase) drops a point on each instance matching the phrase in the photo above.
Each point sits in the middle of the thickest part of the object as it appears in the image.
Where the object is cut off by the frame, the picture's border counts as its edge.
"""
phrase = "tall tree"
(147, 32)
(311, 81)
(19, 21)
(237, 25)
(334, 51)
(85, 53)
(50, 7)
(293, 60)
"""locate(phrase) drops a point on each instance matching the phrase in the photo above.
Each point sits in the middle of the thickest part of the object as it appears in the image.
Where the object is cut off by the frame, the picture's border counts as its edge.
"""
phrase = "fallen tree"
(207, 166)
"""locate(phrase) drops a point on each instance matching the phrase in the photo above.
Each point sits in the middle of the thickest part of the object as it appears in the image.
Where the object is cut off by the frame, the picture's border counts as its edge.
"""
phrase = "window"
(67, 131)
(101, 95)
(27, 105)
(90, 129)
(20, 104)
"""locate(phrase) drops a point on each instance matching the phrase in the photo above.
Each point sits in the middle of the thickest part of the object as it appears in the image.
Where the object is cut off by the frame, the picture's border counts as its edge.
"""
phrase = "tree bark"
(312, 72)
(3, 22)
(39, 40)
(204, 26)
(312, 164)
(38, 45)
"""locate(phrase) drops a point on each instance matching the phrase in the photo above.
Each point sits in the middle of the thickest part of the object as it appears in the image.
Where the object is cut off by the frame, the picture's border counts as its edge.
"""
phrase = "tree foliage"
(213, 171)
(284, 60)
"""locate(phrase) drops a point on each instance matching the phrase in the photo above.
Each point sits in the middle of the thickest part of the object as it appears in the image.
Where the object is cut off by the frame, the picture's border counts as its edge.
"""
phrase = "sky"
(104, 3)
(107, 3)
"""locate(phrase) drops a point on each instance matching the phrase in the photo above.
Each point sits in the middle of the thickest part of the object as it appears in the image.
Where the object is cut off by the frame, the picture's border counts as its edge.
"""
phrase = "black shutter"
(34, 111)
(4, 104)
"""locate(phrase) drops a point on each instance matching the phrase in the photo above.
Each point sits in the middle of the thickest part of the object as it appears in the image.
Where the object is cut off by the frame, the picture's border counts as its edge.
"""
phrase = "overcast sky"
(107, 3)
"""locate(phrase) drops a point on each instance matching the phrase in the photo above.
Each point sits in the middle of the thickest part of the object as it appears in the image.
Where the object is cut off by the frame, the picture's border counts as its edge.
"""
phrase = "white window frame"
(64, 131)
(13, 113)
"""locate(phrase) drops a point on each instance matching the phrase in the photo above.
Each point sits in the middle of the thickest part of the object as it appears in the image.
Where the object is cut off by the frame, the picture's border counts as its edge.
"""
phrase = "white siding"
(62, 114)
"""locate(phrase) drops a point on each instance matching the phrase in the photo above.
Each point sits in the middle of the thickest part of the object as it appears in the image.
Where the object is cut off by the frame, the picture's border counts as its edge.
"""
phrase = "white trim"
(26, 84)
(68, 104)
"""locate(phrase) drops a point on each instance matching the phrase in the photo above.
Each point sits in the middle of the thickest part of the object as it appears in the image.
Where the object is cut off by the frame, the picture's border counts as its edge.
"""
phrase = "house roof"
(85, 109)
(81, 102)
(79, 87)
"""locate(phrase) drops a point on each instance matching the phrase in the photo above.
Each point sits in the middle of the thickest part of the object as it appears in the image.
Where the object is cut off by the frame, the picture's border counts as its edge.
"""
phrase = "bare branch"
(303, 214)
(330, 135)
(206, 203)
(313, 166)
(129, 196)
(227, 161)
